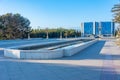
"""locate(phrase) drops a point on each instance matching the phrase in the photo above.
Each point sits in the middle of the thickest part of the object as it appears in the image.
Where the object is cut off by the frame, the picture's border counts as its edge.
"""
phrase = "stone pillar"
(94, 28)
(82, 28)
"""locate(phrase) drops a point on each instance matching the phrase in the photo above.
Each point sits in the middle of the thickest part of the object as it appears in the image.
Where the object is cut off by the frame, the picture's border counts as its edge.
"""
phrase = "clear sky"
(59, 13)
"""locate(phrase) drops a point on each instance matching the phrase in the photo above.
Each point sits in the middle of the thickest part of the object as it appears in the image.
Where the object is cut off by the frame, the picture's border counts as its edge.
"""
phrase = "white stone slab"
(74, 49)
(47, 54)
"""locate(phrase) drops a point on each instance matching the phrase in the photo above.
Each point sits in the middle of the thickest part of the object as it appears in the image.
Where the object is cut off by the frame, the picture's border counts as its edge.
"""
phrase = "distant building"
(98, 29)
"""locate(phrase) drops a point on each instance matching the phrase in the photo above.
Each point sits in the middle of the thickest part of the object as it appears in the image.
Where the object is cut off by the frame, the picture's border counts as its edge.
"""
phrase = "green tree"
(116, 11)
(55, 33)
(13, 26)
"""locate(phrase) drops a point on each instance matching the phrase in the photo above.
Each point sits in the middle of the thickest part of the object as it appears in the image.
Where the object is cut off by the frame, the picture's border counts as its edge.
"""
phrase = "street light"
(47, 33)
(60, 33)
(28, 31)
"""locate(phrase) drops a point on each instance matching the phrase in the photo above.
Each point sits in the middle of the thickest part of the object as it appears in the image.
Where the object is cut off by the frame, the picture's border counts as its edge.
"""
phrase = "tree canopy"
(13, 26)
(55, 33)
(116, 11)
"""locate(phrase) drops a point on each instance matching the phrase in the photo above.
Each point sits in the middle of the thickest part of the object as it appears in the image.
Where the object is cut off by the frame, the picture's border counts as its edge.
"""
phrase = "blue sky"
(59, 13)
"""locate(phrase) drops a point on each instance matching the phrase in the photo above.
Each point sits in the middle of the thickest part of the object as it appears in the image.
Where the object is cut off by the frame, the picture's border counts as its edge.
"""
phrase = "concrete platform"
(101, 61)
(46, 53)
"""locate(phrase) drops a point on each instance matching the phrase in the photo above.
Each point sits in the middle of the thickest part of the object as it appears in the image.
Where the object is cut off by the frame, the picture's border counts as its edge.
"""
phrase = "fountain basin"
(46, 53)
(33, 54)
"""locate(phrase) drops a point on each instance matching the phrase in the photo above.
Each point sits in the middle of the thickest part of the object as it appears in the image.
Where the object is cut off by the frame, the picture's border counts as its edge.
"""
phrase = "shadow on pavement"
(18, 70)
(53, 71)
(1, 53)
(92, 52)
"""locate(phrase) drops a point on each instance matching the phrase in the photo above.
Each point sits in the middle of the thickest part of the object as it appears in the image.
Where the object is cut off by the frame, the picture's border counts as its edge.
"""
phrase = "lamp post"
(28, 31)
(47, 36)
(60, 33)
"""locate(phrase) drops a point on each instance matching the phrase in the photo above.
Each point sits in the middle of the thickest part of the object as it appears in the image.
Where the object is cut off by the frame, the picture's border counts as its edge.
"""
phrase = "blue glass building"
(88, 28)
(98, 28)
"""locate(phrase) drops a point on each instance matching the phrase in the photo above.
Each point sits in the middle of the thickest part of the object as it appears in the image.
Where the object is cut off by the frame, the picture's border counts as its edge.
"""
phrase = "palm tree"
(116, 11)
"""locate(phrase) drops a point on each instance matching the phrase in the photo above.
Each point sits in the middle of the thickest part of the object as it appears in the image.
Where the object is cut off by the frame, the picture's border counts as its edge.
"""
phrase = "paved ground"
(101, 61)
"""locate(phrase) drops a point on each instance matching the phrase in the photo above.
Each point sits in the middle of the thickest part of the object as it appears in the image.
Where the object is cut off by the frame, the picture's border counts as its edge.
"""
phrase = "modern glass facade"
(98, 28)
(88, 28)
(106, 28)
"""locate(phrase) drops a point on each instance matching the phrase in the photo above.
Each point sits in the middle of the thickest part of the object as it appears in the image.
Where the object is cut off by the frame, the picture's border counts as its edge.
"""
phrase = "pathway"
(100, 61)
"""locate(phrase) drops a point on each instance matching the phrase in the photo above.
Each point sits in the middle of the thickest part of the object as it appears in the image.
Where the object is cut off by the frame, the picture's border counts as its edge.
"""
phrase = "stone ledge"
(47, 54)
